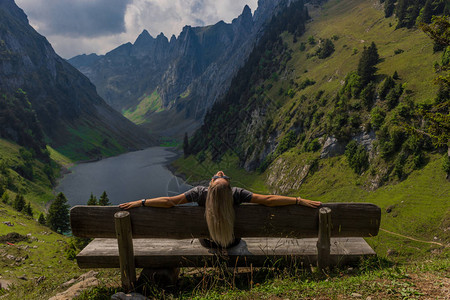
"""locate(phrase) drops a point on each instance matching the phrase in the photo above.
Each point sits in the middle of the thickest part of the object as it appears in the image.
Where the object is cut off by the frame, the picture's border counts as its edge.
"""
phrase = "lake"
(127, 177)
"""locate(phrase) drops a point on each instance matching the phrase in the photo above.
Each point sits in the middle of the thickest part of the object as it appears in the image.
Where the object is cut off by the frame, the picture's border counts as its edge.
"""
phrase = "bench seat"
(155, 253)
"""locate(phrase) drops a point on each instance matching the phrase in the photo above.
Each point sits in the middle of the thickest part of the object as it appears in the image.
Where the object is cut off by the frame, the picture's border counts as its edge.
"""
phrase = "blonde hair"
(219, 213)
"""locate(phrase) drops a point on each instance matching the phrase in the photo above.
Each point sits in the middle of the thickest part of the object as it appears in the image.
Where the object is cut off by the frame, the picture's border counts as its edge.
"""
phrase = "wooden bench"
(147, 237)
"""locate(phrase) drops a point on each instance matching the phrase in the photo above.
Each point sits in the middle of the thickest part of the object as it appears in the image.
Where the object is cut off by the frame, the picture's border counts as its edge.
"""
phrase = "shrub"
(377, 116)
(288, 141)
(446, 164)
(313, 146)
(357, 156)
(302, 46)
(325, 49)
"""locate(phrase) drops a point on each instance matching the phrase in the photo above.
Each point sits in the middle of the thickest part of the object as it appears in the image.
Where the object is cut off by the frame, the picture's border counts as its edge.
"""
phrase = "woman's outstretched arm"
(156, 202)
(276, 200)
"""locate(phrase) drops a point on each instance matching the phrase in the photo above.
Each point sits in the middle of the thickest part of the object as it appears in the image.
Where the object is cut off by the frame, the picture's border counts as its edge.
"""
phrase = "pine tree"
(19, 202)
(28, 210)
(92, 200)
(104, 200)
(366, 66)
(186, 145)
(58, 214)
(389, 6)
(427, 12)
(400, 12)
(41, 219)
(395, 76)
(5, 197)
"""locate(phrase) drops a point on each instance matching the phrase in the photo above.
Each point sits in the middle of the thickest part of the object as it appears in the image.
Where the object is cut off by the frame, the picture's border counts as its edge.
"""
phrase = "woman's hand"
(309, 203)
(131, 204)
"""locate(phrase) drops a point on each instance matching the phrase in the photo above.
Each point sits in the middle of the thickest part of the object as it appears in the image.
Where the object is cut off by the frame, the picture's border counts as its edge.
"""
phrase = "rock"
(391, 252)
(332, 147)
(86, 281)
(366, 139)
(356, 295)
(132, 296)
(40, 279)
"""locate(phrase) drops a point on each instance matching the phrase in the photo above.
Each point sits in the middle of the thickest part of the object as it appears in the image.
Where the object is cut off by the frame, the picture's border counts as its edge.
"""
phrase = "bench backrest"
(348, 220)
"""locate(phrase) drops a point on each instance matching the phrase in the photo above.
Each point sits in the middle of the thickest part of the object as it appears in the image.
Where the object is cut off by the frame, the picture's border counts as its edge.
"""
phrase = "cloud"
(79, 18)
(85, 26)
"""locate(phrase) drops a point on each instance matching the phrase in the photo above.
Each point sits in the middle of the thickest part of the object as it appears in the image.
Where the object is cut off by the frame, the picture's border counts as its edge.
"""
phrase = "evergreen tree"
(92, 200)
(58, 214)
(367, 62)
(104, 200)
(437, 118)
(19, 202)
(395, 76)
(374, 57)
(28, 210)
(427, 12)
(388, 84)
(41, 219)
(389, 6)
(5, 197)
(186, 145)
(400, 12)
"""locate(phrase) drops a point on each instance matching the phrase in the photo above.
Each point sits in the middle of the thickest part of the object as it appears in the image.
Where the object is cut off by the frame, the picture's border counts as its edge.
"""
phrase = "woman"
(219, 199)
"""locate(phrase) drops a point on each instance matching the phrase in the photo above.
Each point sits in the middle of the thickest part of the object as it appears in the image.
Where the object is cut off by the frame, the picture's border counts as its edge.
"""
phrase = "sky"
(76, 27)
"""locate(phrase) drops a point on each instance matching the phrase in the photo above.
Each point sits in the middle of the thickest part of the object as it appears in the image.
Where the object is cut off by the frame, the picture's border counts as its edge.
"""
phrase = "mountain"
(73, 116)
(155, 80)
(353, 90)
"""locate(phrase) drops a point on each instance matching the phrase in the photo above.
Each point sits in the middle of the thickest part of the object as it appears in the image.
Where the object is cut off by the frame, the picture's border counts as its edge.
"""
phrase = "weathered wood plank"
(103, 253)
(323, 242)
(348, 219)
(125, 249)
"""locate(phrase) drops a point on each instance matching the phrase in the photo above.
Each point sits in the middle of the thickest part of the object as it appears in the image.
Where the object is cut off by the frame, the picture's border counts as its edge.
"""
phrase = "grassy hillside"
(147, 105)
(415, 205)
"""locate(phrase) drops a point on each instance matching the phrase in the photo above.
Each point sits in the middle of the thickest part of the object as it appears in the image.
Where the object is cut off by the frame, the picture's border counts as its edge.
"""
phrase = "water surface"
(127, 177)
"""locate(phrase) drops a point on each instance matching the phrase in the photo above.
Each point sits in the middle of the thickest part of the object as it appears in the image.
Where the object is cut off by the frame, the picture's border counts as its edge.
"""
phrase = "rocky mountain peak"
(10, 7)
(144, 39)
(162, 38)
(245, 20)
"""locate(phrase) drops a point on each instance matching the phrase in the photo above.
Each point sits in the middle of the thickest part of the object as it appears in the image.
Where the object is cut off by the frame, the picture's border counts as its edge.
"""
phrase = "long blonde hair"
(219, 213)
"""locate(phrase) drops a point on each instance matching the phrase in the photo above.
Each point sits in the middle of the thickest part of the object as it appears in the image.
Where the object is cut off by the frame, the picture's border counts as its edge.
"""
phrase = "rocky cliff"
(185, 74)
(65, 101)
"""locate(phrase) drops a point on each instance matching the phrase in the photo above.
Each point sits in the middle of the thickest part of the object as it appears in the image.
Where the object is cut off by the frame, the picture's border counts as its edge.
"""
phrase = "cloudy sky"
(97, 26)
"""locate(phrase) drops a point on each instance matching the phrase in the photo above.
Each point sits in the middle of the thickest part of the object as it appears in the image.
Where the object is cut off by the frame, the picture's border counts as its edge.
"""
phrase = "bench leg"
(323, 242)
(126, 252)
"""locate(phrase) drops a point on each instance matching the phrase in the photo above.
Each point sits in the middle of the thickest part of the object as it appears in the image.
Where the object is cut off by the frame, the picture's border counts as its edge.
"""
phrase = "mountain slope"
(306, 125)
(186, 74)
(74, 118)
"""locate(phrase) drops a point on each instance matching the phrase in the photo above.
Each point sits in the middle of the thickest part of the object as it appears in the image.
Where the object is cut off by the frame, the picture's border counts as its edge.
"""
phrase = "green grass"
(39, 191)
(59, 158)
(87, 141)
(357, 24)
(196, 171)
(148, 104)
(45, 256)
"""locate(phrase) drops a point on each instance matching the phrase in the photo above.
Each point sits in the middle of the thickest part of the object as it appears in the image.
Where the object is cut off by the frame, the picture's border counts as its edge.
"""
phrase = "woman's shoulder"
(241, 195)
(196, 193)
